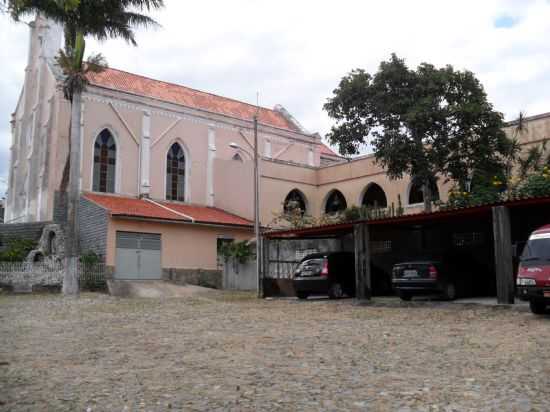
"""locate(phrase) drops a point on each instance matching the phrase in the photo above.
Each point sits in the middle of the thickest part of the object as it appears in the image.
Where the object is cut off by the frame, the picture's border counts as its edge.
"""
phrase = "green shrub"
(241, 251)
(90, 258)
(536, 185)
(17, 250)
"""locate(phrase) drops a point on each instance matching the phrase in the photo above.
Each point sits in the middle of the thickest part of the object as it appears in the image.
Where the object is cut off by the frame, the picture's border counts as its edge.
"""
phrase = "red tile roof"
(185, 96)
(142, 208)
(327, 151)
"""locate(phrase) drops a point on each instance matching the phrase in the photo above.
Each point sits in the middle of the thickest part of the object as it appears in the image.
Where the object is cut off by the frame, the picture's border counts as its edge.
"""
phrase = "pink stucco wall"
(183, 246)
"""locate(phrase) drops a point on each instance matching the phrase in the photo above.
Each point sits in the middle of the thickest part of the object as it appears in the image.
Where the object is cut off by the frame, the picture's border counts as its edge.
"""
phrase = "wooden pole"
(264, 264)
(362, 262)
(503, 255)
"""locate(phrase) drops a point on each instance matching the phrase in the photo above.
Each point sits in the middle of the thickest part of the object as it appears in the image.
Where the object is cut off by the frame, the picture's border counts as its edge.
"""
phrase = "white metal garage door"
(138, 256)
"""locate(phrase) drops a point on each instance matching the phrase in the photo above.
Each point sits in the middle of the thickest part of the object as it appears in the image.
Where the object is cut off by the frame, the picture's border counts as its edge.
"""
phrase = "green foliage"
(292, 216)
(498, 189)
(536, 185)
(17, 250)
(76, 74)
(83, 18)
(242, 251)
(421, 122)
(99, 19)
(535, 160)
(483, 194)
(92, 274)
(90, 258)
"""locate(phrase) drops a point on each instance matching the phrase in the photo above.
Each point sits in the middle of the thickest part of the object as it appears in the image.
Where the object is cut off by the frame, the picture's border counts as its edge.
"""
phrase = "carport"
(485, 238)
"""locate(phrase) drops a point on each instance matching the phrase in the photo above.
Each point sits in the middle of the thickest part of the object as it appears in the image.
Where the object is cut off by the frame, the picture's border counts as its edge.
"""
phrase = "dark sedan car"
(331, 273)
(424, 278)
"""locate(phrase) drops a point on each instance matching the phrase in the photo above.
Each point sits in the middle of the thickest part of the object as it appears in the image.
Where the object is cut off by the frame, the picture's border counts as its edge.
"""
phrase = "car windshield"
(537, 249)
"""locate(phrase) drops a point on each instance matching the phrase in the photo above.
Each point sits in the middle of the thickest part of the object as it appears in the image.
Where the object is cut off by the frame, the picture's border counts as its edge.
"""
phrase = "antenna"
(257, 103)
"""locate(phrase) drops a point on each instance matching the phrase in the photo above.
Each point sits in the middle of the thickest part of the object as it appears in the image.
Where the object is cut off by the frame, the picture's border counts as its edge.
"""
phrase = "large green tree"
(100, 19)
(424, 123)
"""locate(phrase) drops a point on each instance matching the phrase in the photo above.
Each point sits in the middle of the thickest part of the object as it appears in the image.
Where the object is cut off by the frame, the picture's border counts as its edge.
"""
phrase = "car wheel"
(450, 291)
(302, 295)
(335, 291)
(404, 296)
(538, 308)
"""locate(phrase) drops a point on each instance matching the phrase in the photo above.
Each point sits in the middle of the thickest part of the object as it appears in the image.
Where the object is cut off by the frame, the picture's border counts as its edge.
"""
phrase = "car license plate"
(546, 293)
(409, 273)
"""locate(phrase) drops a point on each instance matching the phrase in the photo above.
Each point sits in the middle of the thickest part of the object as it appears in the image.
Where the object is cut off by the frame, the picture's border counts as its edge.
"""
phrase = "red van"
(533, 280)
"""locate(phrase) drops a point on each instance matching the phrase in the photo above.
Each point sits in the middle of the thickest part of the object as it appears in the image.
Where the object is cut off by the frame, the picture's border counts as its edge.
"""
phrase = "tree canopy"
(423, 123)
(101, 19)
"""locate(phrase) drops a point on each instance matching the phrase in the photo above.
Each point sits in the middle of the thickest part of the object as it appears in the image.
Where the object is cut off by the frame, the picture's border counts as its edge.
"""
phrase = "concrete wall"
(537, 129)
(33, 125)
(202, 136)
(183, 246)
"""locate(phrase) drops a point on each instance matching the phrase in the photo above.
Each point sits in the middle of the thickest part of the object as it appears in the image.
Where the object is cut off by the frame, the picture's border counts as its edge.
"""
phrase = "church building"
(167, 170)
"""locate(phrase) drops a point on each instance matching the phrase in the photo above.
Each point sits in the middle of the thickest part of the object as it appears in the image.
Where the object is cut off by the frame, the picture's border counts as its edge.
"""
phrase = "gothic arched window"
(175, 173)
(416, 195)
(374, 197)
(295, 199)
(104, 163)
(336, 202)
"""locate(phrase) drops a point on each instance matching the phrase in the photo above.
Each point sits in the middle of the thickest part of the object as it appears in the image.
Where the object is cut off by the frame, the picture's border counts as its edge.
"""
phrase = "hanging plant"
(242, 251)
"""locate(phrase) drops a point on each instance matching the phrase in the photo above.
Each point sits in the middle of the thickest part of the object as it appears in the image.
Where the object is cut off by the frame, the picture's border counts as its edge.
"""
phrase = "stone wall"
(93, 224)
(29, 277)
(30, 231)
(199, 277)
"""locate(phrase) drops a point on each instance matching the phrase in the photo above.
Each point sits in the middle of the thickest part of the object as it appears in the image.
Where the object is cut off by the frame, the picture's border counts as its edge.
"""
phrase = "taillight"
(433, 272)
(324, 271)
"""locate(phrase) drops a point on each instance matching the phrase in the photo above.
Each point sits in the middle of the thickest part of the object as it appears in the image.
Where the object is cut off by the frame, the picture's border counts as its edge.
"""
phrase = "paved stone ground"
(231, 352)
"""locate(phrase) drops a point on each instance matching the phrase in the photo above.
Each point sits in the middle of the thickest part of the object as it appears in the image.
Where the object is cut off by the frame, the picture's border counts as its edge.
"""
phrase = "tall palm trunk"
(70, 279)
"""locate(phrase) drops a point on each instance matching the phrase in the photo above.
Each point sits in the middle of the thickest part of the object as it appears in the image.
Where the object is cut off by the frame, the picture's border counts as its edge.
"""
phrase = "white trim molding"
(145, 155)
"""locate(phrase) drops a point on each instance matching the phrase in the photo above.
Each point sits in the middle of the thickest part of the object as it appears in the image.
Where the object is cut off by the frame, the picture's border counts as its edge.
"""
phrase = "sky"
(294, 53)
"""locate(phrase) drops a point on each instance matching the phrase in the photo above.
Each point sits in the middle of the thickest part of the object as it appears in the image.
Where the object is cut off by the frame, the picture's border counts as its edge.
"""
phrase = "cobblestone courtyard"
(227, 351)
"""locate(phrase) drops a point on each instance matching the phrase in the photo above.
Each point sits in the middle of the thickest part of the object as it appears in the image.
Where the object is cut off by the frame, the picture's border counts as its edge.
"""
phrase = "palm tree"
(100, 19)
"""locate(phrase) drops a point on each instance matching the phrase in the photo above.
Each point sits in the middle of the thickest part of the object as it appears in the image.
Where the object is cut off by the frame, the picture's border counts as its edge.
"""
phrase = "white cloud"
(295, 52)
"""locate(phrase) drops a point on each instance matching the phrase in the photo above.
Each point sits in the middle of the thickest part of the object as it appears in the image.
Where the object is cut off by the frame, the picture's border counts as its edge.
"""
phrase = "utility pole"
(257, 208)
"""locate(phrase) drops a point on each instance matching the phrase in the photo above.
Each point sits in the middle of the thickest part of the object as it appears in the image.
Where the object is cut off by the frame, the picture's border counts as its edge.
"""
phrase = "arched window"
(237, 157)
(336, 202)
(374, 197)
(175, 173)
(104, 163)
(295, 199)
(417, 196)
